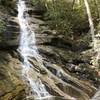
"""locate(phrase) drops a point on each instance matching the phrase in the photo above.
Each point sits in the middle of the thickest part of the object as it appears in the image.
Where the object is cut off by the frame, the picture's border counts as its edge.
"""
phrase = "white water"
(28, 49)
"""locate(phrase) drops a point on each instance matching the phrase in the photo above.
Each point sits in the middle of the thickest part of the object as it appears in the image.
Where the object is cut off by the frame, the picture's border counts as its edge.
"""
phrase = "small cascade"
(27, 49)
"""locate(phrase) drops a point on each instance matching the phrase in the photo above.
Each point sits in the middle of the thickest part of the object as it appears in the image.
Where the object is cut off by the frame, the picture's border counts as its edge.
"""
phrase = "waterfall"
(27, 49)
(90, 21)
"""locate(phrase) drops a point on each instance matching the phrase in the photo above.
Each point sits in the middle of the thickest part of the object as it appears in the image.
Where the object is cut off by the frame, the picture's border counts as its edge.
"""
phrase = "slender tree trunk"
(90, 21)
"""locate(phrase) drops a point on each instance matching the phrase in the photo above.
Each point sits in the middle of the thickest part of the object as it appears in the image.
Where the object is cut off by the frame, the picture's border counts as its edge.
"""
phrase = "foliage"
(65, 19)
(58, 15)
(94, 7)
(68, 17)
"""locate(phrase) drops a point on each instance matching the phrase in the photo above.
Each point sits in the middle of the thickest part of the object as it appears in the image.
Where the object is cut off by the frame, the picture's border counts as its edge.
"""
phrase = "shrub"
(66, 20)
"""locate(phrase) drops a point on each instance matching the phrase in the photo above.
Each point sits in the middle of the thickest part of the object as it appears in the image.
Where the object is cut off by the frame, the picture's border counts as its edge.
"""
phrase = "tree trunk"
(90, 21)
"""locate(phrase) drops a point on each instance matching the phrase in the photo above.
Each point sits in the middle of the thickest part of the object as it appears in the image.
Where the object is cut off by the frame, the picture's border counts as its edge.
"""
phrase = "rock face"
(10, 34)
(11, 87)
(68, 62)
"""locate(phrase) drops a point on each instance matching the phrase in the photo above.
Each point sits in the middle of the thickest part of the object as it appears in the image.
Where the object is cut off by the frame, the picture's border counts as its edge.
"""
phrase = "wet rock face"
(10, 84)
(9, 34)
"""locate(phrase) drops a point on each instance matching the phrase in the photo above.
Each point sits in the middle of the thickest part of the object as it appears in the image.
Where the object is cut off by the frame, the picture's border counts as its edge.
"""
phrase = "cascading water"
(28, 49)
